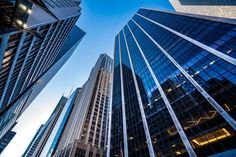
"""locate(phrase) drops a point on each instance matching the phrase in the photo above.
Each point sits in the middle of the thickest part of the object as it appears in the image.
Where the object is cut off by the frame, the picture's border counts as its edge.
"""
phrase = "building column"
(178, 126)
(22, 39)
(123, 106)
(143, 116)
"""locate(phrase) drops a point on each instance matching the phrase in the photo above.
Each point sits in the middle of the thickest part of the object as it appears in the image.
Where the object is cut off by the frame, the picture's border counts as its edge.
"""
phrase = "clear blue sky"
(101, 20)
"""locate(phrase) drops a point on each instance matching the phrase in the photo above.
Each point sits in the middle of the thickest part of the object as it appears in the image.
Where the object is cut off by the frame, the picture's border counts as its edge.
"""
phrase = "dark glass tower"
(34, 44)
(6, 139)
(174, 86)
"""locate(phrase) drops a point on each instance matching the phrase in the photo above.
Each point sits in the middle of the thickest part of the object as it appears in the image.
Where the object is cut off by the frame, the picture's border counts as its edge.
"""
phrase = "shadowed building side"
(33, 48)
(6, 139)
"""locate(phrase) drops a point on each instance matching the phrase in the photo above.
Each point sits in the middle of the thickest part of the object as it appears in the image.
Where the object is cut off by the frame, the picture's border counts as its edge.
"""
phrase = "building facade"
(174, 86)
(86, 131)
(61, 124)
(33, 48)
(40, 139)
(6, 139)
(34, 142)
(217, 8)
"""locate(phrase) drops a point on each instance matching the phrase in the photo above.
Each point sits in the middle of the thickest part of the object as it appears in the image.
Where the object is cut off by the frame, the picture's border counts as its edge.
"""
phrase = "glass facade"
(35, 141)
(117, 126)
(42, 137)
(184, 68)
(6, 139)
(36, 39)
(64, 118)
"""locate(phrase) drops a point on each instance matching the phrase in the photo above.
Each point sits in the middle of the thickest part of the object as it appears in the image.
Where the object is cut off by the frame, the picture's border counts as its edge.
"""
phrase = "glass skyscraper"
(35, 42)
(6, 139)
(60, 126)
(174, 86)
(41, 138)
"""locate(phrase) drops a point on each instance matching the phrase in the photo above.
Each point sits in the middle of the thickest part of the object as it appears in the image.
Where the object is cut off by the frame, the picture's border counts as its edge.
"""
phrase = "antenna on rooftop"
(71, 90)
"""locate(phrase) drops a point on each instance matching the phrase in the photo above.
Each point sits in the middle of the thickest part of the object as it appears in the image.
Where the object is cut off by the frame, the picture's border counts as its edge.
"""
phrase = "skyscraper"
(42, 136)
(61, 124)
(34, 44)
(218, 8)
(6, 139)
(85, 133)
(34, 142)
(174, 86)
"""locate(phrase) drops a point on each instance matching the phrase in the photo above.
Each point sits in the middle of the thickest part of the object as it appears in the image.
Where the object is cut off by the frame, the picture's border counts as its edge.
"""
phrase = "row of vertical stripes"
(136, 24)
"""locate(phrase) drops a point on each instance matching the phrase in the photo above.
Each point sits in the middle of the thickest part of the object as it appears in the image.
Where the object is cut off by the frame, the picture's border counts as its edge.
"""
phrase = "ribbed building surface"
(6, 139)
(59, 128)
(217, 8)
(34, 142)
(174, 86)
(32, 37)
(86, 131)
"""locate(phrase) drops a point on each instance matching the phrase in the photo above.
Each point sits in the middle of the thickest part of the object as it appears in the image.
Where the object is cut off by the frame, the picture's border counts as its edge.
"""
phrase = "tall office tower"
(218, 8)
(34, 44)
(6, 139)
(86, 131)
(174, 86)
(51, 146)
(42, 136)
(34, 142)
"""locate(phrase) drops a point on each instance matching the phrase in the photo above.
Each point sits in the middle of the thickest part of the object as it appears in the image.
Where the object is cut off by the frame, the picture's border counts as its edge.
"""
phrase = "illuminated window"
(211, 137)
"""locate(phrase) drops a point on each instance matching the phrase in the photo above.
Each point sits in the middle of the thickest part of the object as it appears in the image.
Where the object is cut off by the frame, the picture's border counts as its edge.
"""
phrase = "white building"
(217, 8)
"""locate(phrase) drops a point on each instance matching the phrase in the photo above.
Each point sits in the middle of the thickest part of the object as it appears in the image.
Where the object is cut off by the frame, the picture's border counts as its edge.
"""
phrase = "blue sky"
(101, 20)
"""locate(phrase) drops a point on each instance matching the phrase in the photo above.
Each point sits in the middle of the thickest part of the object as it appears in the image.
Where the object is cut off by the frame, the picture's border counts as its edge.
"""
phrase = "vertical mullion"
(204, 93)
(167, 103)
(144, 120)
(22, 39)
(123, 105)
